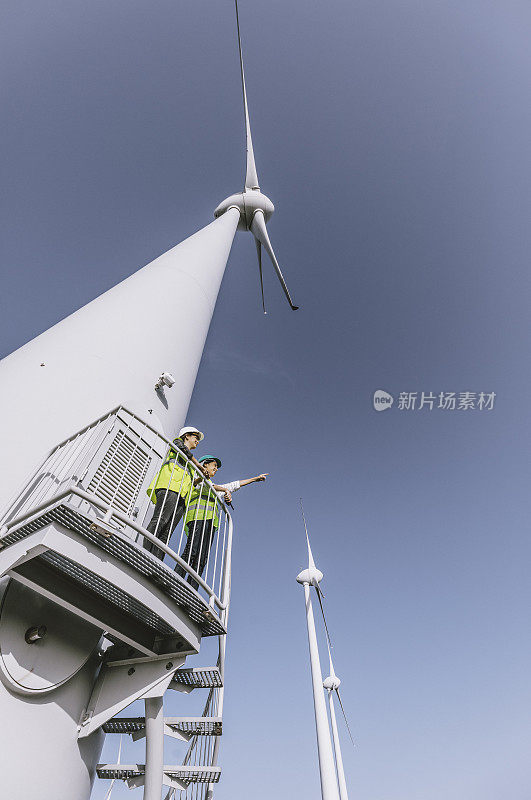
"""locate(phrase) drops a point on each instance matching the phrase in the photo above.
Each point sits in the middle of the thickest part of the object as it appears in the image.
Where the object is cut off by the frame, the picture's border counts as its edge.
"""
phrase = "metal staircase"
(199, 770)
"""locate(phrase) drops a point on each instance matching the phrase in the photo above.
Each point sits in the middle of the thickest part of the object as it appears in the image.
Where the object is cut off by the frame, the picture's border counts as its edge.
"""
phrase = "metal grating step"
(129, 552)
(101, 588)
(187, 774)
(125, 725)
(198, 677)
(194, 726)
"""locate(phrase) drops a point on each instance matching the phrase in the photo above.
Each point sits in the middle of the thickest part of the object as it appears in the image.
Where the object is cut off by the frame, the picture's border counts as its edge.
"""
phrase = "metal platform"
(187, 774)
(125, 550)
(193, 726)
(198, 678)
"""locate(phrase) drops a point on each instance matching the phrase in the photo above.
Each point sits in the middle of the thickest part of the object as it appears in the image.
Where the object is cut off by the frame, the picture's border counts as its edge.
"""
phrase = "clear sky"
(394, 140)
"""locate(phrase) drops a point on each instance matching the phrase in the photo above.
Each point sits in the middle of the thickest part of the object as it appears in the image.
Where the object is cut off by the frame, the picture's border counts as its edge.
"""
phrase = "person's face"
(191, 440)
(211, 467)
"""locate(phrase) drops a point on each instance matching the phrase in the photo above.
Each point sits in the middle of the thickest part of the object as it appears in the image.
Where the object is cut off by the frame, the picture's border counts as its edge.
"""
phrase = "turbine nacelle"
(255, 209)
(332, 682)
(312, 576)
(248, 203)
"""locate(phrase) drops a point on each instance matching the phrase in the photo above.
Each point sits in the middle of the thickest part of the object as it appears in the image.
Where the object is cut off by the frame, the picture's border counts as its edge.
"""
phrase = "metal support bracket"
(118, 686)
(182, 687)
(18, 554)
(168, 731)
(174, 783)
(182, 737)
(171, 783)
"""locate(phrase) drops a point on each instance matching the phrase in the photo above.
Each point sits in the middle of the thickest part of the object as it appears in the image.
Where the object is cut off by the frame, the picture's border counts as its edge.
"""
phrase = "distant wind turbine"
(329, 786)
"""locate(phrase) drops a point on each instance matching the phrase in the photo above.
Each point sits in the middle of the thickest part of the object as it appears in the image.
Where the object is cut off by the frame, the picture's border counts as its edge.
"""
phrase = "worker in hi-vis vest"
(202, 517)
(170, 489)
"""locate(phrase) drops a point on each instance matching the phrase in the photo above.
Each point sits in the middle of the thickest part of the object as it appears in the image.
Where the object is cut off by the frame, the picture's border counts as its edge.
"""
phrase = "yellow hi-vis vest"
(175, 475)
(203, 505)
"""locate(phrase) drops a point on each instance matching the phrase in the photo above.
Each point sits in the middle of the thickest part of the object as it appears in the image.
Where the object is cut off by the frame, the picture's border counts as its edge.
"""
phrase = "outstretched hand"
(262, 477)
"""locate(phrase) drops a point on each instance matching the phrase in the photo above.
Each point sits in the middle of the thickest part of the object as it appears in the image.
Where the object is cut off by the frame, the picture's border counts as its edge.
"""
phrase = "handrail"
(95, 501)
(108, 415)
(62, 473)
(169, 442)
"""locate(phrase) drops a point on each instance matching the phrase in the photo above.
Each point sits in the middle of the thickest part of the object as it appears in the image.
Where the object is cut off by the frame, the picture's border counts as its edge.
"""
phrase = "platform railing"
(105, 472)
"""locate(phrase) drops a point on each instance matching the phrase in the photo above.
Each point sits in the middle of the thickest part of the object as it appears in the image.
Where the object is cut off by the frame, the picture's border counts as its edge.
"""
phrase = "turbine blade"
(107, 796)
(311, 562)
(345, 717)
(251, 177)
(332, 673)
(259, 253)
(258, 228)
(319, 593)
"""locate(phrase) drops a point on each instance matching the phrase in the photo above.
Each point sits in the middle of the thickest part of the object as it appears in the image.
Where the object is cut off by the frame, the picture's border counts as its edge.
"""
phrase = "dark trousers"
(200, 535)
(168, 504)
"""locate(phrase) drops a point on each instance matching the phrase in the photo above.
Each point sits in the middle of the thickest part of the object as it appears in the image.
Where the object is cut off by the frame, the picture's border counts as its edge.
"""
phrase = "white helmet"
(191, 429)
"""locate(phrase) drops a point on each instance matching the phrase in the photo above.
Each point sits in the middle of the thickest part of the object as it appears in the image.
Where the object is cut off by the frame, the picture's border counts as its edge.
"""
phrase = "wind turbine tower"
(90, 619)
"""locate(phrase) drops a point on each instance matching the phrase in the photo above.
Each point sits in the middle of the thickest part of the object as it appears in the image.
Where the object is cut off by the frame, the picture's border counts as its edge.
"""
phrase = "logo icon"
(382, 400)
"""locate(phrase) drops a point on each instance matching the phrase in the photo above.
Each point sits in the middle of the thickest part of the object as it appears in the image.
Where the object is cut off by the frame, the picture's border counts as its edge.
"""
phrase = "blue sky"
(393, 139)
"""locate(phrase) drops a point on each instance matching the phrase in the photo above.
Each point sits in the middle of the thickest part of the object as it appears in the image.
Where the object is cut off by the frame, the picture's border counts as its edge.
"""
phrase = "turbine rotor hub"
(248, 203)
(332, 682)
(312, 576)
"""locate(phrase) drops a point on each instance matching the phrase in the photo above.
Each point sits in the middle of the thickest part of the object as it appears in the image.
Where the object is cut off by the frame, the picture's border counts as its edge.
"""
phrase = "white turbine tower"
(327, 772)
(91, 401)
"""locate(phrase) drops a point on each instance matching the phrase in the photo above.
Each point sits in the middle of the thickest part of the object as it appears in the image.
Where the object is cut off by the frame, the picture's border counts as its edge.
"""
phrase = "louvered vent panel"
(121, 473)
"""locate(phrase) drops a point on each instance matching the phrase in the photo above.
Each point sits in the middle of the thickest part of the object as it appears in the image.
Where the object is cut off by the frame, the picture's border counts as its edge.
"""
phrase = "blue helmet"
(204, 459)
